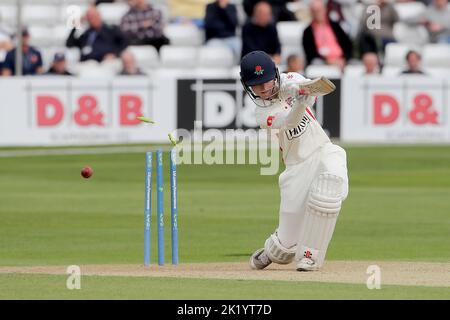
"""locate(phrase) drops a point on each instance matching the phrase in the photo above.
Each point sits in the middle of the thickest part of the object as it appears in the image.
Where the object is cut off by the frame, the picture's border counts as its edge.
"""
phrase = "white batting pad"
(322, 210)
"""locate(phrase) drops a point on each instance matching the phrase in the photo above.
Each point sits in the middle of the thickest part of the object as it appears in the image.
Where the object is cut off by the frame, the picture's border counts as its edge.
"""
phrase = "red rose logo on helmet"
(259, 70)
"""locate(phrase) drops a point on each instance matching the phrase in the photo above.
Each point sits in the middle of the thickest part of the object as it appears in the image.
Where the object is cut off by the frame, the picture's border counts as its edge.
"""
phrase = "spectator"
(31, 61)
(279, 9)
(413, 59)
(261, 34)
(221, 21)
(143, 25)
(376, 39)
(324, 41)
(130, 67)
(100, 41)
(437, 21)
(295, 64)
(371, 63)
(58, 67)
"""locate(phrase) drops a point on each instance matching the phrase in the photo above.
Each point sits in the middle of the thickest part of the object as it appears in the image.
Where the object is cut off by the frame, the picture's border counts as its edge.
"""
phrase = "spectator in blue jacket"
(221, 20)
(100, 41)
(31, 59)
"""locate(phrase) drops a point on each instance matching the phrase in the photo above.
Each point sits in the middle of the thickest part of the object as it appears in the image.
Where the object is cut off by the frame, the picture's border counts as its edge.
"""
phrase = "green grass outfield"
(398, 209)
(93, 287)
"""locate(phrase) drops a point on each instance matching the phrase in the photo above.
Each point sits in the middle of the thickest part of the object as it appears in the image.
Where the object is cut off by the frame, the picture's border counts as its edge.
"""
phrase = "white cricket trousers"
(295, 183)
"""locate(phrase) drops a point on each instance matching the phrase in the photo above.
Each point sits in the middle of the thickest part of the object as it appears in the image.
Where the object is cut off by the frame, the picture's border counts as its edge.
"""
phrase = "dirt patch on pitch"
(392, 273)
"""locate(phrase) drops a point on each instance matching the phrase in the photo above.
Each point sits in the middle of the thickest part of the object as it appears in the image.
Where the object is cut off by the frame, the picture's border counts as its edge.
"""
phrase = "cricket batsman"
(314, 183)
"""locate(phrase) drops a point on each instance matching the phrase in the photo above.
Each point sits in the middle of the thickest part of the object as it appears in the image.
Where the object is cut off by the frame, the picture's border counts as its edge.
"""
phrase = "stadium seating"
(47, 22)
(45, 2)
(215, 57)
(72, 59)
(354, 70)
(92, 69)
(8, 14)
(70, 2)
(113, 66)
(295, 5)
(291, 33)
(438, 72)
(146, 56)
(391, 71)
(40, 14)
(288, 50)
(112, 13)
(41, 36)
(408, 10)
(47, 54)
(60, 34)
(235, 72)
(410, 34)
(179, 57)
(395, 54)
(184, 35)
(210, 73)
(436, 55)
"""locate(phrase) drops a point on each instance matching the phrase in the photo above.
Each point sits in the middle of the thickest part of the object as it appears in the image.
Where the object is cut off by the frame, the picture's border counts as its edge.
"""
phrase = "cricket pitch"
(430, 274)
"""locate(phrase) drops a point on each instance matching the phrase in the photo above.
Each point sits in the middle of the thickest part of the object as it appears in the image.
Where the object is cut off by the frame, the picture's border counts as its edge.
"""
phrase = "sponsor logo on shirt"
(298, 130)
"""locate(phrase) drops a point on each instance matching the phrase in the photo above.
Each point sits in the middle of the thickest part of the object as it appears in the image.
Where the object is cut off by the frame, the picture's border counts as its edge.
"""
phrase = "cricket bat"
(317, 87)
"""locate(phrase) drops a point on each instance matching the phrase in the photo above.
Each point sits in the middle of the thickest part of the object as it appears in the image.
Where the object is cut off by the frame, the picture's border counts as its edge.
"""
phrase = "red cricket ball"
(86, 172)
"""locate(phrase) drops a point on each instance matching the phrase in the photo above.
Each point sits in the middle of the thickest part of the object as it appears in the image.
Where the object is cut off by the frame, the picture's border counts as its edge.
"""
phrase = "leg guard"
(277, 252)
(322, 209)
